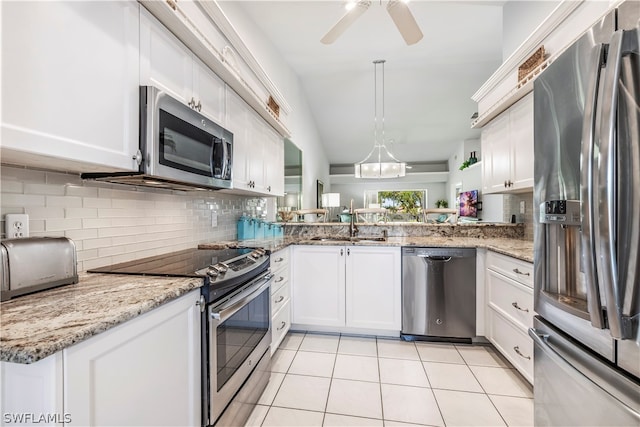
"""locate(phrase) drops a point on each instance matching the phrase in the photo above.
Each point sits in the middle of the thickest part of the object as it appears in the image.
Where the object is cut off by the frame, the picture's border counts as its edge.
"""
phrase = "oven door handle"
(234, 305)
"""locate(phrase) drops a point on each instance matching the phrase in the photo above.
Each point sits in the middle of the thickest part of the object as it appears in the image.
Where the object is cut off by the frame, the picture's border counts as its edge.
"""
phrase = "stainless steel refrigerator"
(587, 229)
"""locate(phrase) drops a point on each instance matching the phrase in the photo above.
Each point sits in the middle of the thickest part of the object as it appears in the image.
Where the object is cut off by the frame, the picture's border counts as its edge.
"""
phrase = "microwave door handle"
(587, 187)
(606, 246)
(212, 157)
(225, 157)
(629, 180)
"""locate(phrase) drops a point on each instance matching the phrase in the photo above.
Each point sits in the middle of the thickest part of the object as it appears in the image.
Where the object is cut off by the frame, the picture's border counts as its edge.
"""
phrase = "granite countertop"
(38, 325)
(517, 248)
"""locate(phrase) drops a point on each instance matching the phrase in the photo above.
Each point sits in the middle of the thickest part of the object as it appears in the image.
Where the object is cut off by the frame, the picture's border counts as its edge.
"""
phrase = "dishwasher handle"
(436, 258)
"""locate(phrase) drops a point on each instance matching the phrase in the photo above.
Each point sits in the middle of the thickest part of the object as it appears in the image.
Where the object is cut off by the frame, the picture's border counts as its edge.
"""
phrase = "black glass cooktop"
(183, 263)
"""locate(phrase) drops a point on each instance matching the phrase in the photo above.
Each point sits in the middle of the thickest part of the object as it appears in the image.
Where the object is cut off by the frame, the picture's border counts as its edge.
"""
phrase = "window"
(402, 205)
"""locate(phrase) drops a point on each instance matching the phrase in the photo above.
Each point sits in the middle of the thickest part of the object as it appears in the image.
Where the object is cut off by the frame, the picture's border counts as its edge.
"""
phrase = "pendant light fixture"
(380, 163)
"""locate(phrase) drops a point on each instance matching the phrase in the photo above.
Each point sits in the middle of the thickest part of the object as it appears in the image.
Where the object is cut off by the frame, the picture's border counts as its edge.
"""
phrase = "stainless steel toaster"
(35, 264)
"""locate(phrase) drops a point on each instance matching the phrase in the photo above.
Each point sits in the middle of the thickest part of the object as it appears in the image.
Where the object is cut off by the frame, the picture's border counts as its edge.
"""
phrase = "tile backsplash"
(116, 223)
(511, 206)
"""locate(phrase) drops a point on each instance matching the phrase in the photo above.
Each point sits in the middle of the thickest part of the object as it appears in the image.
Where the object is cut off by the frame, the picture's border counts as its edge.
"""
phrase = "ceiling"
(428, 86)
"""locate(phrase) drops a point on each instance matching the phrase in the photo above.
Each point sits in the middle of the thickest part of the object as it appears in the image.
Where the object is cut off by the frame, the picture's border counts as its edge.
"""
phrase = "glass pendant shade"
(379, 163)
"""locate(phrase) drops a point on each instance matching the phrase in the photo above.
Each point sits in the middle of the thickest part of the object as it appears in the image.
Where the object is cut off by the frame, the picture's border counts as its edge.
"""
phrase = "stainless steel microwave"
(180, 148)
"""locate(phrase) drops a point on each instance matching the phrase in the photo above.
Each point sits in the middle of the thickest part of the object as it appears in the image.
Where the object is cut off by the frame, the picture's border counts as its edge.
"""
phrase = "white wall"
(303, 128)
(519, 19)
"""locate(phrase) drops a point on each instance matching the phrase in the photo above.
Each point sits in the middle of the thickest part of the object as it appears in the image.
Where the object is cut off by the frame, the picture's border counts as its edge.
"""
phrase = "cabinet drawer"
(279, 279)
(280, 297)
(520, 271)
(280, 260)
(280, 325)
(511, 298)
(513, 343)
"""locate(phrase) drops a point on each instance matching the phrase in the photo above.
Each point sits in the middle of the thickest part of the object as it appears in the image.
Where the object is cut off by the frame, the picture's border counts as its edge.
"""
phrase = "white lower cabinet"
(509, 313)
(347, 288)
(144, 372)
(280, 297)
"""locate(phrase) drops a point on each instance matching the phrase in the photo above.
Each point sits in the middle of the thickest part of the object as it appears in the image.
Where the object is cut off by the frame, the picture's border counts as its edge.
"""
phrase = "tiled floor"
(331, 380)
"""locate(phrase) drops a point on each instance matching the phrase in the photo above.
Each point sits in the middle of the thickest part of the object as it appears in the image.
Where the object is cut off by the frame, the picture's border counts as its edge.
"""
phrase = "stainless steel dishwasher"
(439, 294)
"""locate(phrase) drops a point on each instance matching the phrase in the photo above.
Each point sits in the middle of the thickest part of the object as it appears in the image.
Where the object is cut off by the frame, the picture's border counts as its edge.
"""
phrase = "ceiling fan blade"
(344, 22)
(404, 20)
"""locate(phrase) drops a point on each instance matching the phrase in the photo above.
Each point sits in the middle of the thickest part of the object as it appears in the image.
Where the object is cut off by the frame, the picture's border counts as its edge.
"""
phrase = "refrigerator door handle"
(541, 341)
(606, 204)
(587, 185)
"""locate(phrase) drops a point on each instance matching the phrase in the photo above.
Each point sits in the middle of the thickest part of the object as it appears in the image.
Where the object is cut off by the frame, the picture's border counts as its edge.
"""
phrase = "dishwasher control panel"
(439, 252)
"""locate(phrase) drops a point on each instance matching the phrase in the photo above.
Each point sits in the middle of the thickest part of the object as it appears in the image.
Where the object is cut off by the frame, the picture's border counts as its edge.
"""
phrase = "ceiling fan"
(398, 10)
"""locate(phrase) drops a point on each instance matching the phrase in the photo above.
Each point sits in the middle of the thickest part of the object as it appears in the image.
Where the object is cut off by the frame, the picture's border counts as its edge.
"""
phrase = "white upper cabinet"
(507, 147)
(258, 150)
(169, 65)
(70, 84)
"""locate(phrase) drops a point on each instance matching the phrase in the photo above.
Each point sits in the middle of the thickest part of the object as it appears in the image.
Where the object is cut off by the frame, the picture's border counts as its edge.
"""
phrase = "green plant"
(465, 164)
(442, 203)
(408, 202)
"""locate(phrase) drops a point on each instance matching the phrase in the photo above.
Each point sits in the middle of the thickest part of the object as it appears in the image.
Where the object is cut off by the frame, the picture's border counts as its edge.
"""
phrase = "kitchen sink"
(348, 239)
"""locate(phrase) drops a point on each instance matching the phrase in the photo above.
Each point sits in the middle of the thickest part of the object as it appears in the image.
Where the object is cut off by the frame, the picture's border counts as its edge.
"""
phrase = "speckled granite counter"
(517, 248)
(41, 324)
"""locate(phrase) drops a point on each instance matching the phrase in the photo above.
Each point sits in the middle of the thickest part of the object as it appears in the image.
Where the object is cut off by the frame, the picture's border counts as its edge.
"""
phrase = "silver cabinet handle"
(279, 279)
(341, 252)
(348, 251)
(282, 325)
(198, 106)
(192, 103)
(515, 304)
(201, 303)
(269, 188)
(278, 260)
(138, 157)
(515, 270)
(517, 350)
(280, 299)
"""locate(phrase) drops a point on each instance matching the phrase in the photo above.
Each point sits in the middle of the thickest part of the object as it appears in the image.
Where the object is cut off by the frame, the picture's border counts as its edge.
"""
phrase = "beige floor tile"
(402, 372)
(481, 356)
(271, 390)
(449, 376)
(292, 341)
(391, 423)
(358, 346)
(410, 405)
(257, 416)
(310, 363)
(396, 349)
(321, 343)
(467, 409)
(439, 352)
(360, 368)
(516, 411)
(283, 417)
(302, 392)
(502, 381)
(282, 360)
(334, 420)
(358, 398)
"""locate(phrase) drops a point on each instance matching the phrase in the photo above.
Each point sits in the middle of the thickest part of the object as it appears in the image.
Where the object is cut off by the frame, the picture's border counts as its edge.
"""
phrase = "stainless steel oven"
(239, 340)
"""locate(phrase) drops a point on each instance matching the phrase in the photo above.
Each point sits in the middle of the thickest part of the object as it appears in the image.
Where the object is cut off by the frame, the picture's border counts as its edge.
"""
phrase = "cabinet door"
(129, 375)
(318, 285)
(70, 84)
(521, 136)
(274, 162)
(373, 276)
(500, 154)
(164, 61)
(256, 153)
(236, 121)
(209, 91)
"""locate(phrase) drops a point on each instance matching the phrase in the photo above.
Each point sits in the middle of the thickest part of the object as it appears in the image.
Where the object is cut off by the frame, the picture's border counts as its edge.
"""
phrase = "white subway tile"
(81, 213)
(36, 226)
(10, 186)
(64, 201)
(133, 222)
(87, 254)
(110, 251)
(118, 231)
(118, 213)
(90, 264)
(45, 189)
(83, 234)
(81, 191)
(131, 204)
(97, 243)
(22, 200)
(63, 179)
(94, 202)
(62, 224)
(22, 174)
(96, 223)
(10, 210)
(44, 212)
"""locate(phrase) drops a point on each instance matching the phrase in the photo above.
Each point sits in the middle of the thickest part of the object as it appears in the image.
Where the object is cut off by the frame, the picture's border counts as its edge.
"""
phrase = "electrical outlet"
(16, 226)
(522, 206)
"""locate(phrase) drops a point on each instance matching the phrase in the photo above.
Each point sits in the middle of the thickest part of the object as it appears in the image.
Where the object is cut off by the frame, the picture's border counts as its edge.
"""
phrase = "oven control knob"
(255, 254)
(212, 273)
(220, 268)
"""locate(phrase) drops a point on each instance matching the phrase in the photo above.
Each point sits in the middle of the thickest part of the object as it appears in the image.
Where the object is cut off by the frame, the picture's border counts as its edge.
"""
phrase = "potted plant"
(442, 203)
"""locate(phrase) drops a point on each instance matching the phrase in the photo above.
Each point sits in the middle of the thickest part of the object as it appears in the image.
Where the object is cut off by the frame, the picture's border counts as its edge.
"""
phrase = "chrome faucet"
(353, 228)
